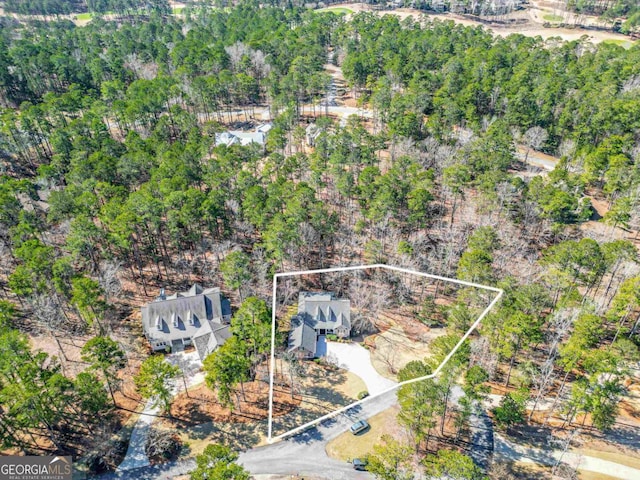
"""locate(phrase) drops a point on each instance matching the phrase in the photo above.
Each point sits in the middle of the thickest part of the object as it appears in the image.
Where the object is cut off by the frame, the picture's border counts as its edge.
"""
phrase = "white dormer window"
(190, 318)
(174, 319)
(158, 322)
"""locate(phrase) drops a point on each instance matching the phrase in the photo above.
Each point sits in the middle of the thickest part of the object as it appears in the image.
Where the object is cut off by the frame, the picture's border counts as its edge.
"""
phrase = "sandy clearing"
(533, 28)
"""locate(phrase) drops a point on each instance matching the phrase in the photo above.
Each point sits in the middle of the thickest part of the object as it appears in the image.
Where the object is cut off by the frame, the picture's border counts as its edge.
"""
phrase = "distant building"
(238, 137)
(318, 314)
(198, 317)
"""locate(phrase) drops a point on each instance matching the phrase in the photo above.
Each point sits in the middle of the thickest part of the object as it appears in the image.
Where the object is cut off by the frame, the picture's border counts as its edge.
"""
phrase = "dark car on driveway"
(359, 426)
(359, 464)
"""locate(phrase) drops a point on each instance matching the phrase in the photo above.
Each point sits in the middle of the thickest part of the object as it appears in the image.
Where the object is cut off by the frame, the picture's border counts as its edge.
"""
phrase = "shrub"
(332, 337)
(106, 456)
(363, 394)
(162, 445)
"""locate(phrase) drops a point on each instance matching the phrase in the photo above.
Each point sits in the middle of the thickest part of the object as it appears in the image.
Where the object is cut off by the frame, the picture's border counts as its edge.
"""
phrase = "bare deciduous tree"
(534, 138)
(108, 278)
(483, 356)
(48, 314)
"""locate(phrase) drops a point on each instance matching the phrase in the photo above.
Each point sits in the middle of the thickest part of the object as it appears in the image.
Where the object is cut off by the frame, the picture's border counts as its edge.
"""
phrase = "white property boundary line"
(270, 438)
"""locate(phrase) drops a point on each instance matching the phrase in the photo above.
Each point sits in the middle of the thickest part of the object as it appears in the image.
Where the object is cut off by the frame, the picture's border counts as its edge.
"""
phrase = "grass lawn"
(178, 10)
(336, 10)
(623, 43)
(348, 445)
(615, 457)
(584, 475)
(550, 17)
(84, 16)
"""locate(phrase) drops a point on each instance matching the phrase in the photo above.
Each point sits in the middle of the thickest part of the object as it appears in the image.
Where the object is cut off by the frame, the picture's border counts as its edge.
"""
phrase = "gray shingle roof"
(302, 335)
(209, 337)
(317, 311)
(183, 314)
(324, 311)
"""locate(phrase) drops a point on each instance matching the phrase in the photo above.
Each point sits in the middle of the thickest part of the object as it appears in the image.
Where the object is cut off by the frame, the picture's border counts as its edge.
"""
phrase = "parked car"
(359, 464)
(359, 426)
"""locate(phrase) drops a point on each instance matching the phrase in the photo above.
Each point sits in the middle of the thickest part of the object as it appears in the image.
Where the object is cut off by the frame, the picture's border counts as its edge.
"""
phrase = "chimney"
(163, 296)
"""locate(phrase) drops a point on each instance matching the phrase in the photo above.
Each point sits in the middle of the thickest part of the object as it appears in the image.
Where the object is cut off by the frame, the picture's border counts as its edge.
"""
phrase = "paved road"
(536, 159)
(302, 454)
(305, 454)
(481, 428)
(481, 436)
(525, 454)
(136, 456)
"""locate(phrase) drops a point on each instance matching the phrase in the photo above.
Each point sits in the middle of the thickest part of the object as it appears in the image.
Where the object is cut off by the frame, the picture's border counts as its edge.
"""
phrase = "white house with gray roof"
(239, 137)
(198, 317)
(318, 314)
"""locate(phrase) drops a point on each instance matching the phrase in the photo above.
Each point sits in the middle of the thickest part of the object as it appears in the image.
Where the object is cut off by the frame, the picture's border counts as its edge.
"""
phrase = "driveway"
(481, 426)
(303, 454)
(136, 456)
(357, 360)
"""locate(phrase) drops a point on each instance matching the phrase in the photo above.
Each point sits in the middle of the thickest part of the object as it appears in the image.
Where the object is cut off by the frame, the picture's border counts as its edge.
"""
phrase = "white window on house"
(190, 318)
(158, 322)
(174, 319)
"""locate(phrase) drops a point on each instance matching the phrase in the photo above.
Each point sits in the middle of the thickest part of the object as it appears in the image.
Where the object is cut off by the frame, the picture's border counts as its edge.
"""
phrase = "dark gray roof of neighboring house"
(302, 335)
(182, 314)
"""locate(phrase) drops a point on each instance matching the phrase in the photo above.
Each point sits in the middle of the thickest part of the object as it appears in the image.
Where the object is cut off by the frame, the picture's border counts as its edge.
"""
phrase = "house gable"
(318, 313)
(178, 318)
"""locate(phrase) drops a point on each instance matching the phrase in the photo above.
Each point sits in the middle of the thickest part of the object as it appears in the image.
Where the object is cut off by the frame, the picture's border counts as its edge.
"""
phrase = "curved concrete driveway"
(136, 456)
(357, 360)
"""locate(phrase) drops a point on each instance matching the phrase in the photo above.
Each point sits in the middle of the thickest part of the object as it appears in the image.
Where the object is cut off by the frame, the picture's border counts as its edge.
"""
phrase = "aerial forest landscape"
(396, 163)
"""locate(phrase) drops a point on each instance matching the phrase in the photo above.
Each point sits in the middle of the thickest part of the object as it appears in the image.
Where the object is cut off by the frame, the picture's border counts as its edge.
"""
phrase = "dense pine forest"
(112, 186)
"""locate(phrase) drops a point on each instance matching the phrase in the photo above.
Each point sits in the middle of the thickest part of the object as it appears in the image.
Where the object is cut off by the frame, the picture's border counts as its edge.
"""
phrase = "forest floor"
(200, 419)
(321, 389)
(401, 339)
(200, 405)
